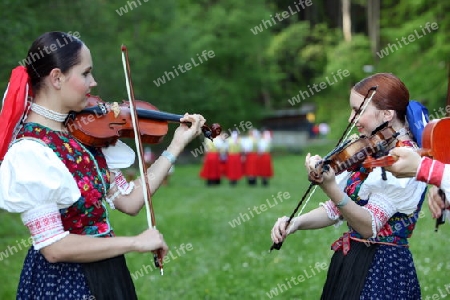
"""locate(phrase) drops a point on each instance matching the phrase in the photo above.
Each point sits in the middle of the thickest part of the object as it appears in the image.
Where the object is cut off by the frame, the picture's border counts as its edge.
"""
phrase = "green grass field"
(211, 259)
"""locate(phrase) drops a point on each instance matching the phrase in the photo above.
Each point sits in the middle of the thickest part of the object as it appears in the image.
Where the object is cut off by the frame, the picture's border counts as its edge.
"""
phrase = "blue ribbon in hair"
(417, 117)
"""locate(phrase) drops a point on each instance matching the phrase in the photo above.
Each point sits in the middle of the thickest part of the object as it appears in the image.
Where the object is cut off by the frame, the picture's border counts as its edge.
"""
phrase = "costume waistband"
(343, 243)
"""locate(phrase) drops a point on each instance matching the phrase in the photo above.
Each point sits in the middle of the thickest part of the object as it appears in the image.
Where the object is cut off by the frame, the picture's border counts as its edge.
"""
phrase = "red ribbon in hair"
(14, 106)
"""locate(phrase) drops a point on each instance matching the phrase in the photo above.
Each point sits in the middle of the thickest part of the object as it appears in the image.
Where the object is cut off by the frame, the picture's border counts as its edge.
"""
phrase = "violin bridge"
(115, 108)
(353, 137)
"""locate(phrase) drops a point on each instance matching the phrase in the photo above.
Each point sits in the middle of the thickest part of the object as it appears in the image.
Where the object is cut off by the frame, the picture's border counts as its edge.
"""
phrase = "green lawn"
(211, 259)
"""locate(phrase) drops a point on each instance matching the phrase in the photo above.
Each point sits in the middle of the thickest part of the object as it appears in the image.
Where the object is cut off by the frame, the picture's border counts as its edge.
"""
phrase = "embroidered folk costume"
(59, 187)
(366, 268)
(265, 167)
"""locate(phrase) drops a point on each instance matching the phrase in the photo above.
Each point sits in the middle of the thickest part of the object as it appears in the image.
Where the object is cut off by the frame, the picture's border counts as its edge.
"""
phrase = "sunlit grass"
(222, 262)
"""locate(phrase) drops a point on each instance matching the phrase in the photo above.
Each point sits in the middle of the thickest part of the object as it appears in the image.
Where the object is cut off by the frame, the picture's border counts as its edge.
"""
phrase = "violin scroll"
(212, 132)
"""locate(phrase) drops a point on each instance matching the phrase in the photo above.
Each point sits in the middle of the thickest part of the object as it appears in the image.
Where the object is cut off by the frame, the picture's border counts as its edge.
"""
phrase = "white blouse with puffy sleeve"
(35, 183)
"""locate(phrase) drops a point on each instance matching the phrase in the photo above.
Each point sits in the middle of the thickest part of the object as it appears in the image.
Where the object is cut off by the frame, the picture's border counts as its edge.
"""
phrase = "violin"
(346, 155)
(351, 154)
(101, 123)
(435, 144)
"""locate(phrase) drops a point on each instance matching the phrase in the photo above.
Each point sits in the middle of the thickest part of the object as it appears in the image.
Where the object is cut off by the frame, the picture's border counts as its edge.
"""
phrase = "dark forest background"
(250, 74)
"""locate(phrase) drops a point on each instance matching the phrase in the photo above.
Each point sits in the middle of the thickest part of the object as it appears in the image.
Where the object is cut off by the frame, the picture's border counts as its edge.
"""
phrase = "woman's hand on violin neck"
(150, 240)
(311, 165)
(407, 164)
(317, 173)
(186, 133)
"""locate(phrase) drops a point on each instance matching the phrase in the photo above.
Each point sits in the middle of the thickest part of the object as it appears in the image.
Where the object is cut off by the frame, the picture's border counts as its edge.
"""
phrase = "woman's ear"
(56, 78)
(388, 115)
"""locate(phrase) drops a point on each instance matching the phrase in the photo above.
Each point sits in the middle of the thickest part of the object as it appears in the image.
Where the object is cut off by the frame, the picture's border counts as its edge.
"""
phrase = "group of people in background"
(237, 156)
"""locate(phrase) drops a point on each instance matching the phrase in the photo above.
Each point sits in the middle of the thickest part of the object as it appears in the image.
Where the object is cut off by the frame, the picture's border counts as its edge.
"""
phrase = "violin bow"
(344, 136)
(151, 220)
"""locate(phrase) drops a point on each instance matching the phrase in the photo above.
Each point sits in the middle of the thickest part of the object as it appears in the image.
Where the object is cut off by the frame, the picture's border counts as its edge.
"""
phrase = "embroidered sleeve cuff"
(121, 182)
(333, 212)
(380, 212)
(45, 225)
(374, 223)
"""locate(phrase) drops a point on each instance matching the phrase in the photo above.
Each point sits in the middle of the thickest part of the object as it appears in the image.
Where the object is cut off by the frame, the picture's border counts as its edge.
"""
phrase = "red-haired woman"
(372, 259)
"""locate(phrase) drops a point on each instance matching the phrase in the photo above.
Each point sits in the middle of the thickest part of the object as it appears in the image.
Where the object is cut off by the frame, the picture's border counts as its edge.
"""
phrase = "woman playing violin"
(60, 186)
(371, 260)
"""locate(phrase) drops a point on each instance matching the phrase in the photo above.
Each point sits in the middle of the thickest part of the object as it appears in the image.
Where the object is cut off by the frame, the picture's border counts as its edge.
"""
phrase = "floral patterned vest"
(87, 216)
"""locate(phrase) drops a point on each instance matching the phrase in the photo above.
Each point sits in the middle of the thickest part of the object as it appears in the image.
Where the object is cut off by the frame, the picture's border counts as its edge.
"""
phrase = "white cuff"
(45, 225)
(333, 212)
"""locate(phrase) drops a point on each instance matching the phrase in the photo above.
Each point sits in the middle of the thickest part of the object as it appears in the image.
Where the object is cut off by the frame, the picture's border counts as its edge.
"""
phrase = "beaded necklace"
(48, 113)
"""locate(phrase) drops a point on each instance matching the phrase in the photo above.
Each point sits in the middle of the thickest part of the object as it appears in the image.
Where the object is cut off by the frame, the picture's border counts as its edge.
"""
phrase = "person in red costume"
(425, 169)
(265, 167)
(61, 187)
(211, 169)
(234, 171)
(249, 146)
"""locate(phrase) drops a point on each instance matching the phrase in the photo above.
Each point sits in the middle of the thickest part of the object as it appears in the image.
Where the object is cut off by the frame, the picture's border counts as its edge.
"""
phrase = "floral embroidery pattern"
(88, 215)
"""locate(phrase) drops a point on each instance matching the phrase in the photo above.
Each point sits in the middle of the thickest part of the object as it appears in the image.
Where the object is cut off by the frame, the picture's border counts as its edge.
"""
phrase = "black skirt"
(347, 273)
(110, 279)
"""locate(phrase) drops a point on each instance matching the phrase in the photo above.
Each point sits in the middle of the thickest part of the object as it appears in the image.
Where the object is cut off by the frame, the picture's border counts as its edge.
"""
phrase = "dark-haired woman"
(60, 186)
(371, 260)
